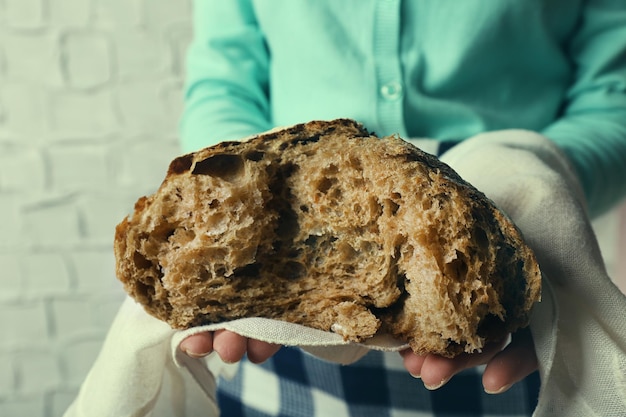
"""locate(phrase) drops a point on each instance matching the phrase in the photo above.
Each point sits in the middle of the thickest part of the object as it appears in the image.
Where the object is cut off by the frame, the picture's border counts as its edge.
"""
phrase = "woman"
(436, 71)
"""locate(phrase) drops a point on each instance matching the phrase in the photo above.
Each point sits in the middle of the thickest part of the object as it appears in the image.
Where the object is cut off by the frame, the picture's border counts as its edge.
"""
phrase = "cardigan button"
(391, 91)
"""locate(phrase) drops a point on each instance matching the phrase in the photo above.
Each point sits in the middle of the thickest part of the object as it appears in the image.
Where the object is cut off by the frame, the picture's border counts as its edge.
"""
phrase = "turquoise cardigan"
(440, 69)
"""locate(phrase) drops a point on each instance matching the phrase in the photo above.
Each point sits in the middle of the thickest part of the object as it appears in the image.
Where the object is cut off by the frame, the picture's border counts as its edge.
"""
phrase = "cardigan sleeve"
(226, 87)
(592, 129)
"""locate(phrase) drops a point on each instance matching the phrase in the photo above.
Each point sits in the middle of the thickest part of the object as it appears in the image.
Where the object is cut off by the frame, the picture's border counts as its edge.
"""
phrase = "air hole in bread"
(489, 326)
(390, 207)
(181, 164)
(204, 275)
(293, 270)
(213, 204)
(325, 184)
(140, 261)
(331, 169)
(163, 232)
(250, 270)
(369, 247)
(401, 282)
(287, 224)
(346, 252)
(146, 290)
(182, 237)
(457, 268)
(254, 155)
(225, 166)
(335, 195)
(479, 296)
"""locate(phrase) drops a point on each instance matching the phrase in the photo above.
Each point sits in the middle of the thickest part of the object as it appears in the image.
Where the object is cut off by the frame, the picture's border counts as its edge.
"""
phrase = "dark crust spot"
(308, 139)
(300, 140)
(228, 144)
(312, 131)
(180, 164)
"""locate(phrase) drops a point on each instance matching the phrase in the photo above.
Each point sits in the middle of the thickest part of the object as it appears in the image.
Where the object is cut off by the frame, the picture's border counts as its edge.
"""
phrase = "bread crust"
(326, 225)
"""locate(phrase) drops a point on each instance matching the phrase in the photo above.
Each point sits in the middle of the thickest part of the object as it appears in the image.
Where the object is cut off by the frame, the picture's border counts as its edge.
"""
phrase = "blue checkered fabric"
(296, 384)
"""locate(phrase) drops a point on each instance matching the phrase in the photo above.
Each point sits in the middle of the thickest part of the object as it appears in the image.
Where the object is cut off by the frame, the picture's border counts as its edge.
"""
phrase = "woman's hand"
(230, 346)
(506, 365)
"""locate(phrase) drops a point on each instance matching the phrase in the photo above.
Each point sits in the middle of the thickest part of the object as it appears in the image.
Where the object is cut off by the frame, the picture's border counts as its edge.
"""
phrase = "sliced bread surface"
(326, 225)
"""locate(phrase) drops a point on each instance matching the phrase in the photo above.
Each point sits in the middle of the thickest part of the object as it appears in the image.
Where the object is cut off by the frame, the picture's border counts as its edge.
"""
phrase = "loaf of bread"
(326, 225)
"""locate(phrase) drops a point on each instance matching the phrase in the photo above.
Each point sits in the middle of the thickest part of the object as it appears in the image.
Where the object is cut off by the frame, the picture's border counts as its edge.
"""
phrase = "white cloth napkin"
(141, 351)
(128, 375)
(579, 327)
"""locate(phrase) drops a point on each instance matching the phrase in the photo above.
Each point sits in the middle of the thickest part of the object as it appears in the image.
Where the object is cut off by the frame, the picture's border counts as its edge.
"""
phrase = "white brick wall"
(89, 102)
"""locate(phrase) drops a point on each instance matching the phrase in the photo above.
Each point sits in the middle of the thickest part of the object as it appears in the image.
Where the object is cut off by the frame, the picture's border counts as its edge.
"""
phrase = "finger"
(197, 345)
(412, 362)
(259, 352)
(514, 363)
(230, 346)
(438, 370)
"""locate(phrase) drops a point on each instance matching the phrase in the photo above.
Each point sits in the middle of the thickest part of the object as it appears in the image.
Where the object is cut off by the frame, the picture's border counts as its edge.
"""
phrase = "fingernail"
(434, 387)
(500, 390)
(194, 355)
(416, 376)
